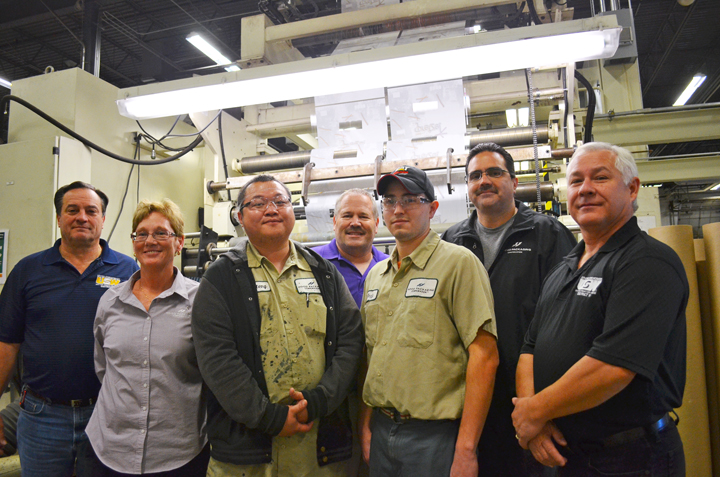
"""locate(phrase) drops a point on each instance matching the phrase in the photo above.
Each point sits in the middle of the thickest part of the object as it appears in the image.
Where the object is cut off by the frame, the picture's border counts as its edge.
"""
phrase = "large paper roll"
(694, 426)
(709, 348)
(711, 240)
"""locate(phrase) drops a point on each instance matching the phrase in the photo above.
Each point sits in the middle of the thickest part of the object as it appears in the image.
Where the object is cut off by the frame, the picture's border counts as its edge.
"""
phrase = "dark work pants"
(658, 455)
(500, 455)
(413, 448)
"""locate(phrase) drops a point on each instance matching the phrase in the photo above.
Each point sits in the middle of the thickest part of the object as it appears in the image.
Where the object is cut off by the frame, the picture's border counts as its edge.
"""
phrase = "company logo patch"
(372, 295)
(587, 286)
(400, 170)
(516, 248)
(422, 287)
(307, 286)
(107, 282)
(262, 287)
(182, 312)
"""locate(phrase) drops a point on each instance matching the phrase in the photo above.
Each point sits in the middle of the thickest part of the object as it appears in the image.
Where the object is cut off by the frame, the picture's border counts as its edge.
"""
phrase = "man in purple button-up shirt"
(355, 223)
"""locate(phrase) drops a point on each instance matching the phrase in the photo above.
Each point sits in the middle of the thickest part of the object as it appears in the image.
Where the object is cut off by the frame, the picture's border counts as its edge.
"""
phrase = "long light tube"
(5, 83)
(420, 68)
(694, 84)
(210, 51)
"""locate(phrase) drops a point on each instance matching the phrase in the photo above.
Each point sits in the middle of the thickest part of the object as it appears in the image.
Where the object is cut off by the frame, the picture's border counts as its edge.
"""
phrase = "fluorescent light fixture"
(511, 118)
(694, 84)
(210, 51)
(5, 83)
(716, 186)
(523, 116)
(443, 59)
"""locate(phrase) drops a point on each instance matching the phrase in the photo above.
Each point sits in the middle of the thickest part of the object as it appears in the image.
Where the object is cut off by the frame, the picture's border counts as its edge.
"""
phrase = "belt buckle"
(76, 403)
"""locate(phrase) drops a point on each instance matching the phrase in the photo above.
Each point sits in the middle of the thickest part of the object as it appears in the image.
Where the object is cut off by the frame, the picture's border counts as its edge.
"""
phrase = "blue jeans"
(413, 448)
(658, 455)
(49, 436)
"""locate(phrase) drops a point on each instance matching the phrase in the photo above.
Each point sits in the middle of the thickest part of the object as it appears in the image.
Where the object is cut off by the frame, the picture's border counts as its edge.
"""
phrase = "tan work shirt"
(292, 334)
(419, 321)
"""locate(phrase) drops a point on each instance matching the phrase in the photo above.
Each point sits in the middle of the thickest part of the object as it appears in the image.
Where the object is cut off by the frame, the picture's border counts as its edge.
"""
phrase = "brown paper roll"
(709, 349)
(694, 426)
(711, 241)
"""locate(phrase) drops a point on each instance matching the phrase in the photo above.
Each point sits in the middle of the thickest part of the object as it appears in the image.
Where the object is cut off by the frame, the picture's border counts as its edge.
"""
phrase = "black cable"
(171, 129)
(151, 139)
(6, 100)
(127, 187)
(222, 151)
(137, 190)
(567, 105)
(591, 106)
(200, 131)
(533, 12)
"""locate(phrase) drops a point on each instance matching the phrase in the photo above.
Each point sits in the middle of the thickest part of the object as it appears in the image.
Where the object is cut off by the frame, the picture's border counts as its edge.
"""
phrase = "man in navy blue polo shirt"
(604, 358)
(351, 251)
(47, 309)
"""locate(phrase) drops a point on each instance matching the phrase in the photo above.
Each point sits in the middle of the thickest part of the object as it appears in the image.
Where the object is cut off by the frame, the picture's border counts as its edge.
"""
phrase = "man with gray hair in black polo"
(604, 358)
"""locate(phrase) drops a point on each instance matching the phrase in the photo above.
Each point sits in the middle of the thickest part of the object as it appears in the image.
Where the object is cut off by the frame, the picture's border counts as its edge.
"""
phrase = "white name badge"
(262, 287)
(422, 287)
(372, 295)
(307, 286)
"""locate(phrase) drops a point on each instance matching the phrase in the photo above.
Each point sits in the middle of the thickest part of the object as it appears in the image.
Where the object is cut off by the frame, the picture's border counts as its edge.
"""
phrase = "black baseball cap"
(414, 180)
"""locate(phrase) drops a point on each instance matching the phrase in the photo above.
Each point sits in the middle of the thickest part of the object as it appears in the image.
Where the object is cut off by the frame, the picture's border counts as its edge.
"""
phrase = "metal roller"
(273, 162)
(527, 191)
(298, 159)
(510, 136)
(284, 160)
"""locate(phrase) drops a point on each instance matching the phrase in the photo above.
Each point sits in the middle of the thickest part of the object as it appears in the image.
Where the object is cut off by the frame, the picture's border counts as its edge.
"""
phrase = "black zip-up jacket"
(226, 332)
(534, 244)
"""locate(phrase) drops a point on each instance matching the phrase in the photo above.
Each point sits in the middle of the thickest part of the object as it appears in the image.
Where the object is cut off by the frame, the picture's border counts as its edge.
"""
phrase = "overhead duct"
(397, 25)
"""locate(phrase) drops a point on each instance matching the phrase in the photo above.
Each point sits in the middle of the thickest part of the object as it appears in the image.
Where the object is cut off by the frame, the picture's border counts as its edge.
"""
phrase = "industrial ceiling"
(143, 41)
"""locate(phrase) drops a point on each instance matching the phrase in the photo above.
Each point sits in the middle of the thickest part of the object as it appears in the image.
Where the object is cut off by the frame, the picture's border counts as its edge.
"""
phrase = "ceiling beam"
(677, 170)
(665, 125)
(668, 49)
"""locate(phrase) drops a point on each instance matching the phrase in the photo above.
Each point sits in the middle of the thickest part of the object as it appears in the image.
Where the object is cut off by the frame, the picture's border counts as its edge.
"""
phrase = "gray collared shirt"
(150, 414)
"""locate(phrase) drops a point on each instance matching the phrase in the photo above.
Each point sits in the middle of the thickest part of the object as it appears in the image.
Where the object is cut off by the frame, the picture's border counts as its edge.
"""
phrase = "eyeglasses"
(160, 236)
(407, 201)
(260, 204)
(492, 172)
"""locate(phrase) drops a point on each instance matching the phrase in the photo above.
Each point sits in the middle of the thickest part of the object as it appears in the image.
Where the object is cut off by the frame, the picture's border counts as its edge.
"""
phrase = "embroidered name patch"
(372, 295)
(587, 286)
(182, 312)
(262, 286)
(107, 282)
(422, 287)
(307, 286)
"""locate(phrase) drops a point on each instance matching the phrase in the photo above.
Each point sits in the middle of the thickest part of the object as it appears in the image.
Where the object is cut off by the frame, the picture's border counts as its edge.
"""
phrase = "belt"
(394, 414)
(71, 403)
(628, 436)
